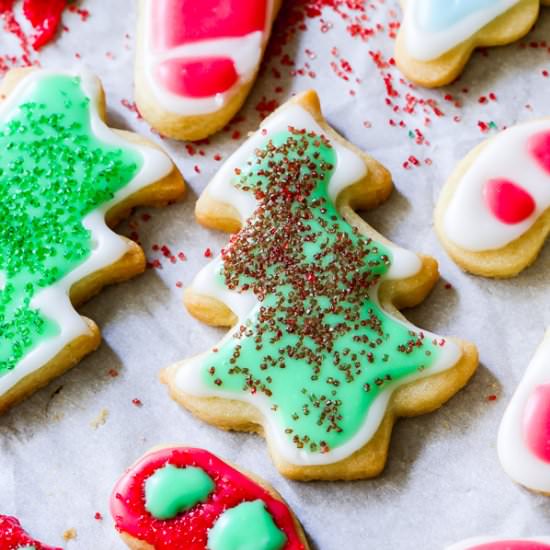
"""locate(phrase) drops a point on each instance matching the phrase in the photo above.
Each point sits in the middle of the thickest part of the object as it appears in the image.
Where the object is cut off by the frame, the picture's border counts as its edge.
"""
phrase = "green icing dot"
(26, 548)
(317, 345)
(53, 172)
(248, 526)
(171, 490)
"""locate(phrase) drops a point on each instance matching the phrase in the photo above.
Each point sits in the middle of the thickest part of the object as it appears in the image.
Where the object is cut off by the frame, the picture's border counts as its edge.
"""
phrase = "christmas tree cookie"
(493, 215)
(318, 359)
(196, 62)
(437, 39)
(65, 179)
(14, 537)
(180, 497)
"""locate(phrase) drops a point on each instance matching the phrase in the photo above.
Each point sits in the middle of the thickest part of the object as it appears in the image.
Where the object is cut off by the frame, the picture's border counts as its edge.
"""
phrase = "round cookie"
(318, 359)
(492, 216)
(182, 497)
(435, 42)
(196, 62)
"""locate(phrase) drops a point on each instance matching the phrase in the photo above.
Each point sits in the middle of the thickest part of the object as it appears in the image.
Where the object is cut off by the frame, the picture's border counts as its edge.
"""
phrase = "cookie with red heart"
(182, 497)
(493, 215)
(14, 537)
(196, 62)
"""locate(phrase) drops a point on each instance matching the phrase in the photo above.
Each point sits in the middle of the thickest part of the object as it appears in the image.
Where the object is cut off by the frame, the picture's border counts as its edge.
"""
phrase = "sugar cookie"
(319, 360)
(196, 62)
(524, 435)
(180, 497)
(62, 173)
(436, 41)
(492, 216)
(14, 537)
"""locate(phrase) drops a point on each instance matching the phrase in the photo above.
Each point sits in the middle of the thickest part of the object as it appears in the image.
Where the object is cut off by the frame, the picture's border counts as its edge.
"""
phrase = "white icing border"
(476, 541)
(108, 248)
(246, 52)
(467, 221)
(426, 45)
(350, 168)
(516, 458)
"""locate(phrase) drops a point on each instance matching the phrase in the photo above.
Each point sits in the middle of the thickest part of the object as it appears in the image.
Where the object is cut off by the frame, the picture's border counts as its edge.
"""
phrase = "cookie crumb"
(69, 534)
(100, 420)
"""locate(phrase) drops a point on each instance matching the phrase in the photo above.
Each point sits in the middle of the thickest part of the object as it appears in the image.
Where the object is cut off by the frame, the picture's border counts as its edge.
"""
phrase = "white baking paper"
(443, 481)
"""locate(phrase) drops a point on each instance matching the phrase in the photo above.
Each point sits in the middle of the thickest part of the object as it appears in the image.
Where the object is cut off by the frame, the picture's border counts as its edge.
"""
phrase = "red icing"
(539, 147)
(536, 422)
(177, 22)
(511, 545)
(198, 77)
(508, 201)
(12, 536)
(44, 16)
(190, 530)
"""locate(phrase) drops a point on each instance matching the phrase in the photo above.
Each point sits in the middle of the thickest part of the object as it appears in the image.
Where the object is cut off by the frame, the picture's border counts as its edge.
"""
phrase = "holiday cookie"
(319, 360)
(436, 41)
(524, 435)
(492, 215)
(197, 61)
(180, 497)
(488, 543)
(63, 175)
(14, 537)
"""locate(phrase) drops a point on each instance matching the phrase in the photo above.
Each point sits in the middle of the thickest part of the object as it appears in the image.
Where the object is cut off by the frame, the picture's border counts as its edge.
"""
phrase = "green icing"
(248, 526)
(53, 172)
(26, 548)
(171, 490)
(318, 345)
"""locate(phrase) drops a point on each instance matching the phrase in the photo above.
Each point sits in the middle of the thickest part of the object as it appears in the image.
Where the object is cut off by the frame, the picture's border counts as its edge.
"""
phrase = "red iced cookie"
(13, 536)
(180, 497)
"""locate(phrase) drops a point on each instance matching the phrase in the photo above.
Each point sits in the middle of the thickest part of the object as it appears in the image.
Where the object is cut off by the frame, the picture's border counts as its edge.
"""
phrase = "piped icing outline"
(110, 247)
(517, 459)
(350, 169)
(245, 51)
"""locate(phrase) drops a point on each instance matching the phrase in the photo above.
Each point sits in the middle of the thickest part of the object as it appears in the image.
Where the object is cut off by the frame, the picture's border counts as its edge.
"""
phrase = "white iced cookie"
(492, 216)
(437, 38)
(196, 61)
(524, 435)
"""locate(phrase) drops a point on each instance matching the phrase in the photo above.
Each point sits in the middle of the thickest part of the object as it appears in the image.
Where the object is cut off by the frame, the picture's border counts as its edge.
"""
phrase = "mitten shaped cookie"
(318, 358)
(65, 179)
(197, 61)
(492, 216)
(437, 39)
(180, 497)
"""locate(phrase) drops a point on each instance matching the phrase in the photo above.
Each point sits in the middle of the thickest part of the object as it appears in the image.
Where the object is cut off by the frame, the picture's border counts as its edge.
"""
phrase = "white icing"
(109, 247)
(472, 543)
(468, 221)
(246, 53)
(349, 169)
(426, 45)
(515, 456)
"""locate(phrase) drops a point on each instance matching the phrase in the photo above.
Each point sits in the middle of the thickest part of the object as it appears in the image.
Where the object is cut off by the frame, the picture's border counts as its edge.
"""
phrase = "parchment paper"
(443, 481)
